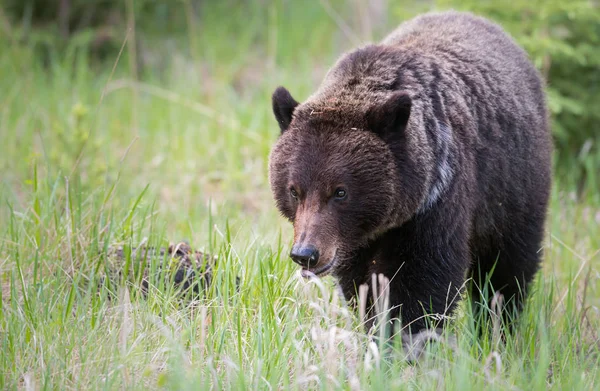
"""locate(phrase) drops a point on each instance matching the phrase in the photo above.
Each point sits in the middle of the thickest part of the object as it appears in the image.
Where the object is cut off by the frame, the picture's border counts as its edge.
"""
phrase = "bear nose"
(305, 256)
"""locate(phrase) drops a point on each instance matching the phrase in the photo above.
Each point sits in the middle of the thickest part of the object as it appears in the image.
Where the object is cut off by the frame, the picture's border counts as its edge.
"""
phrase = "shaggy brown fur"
(422, 158)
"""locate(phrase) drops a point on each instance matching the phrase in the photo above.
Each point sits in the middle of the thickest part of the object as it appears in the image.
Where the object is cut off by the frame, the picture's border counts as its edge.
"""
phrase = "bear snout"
(305, 255)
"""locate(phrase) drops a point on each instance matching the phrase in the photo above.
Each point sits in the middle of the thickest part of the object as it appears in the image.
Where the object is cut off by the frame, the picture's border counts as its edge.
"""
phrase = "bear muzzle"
(307, 256)
(314, 239)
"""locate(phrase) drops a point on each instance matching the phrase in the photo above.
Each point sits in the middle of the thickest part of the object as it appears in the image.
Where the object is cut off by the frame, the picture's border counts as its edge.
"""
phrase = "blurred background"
(176, 94)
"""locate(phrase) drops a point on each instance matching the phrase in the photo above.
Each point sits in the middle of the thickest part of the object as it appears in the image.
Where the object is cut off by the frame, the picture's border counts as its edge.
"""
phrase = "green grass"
(92, 159)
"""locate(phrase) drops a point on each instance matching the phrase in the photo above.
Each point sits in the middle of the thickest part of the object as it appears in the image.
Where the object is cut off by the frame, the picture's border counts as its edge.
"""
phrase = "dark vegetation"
(563, 39)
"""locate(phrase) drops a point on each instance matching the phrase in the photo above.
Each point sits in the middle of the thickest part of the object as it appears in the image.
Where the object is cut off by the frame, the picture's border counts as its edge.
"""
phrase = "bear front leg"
(425, 278)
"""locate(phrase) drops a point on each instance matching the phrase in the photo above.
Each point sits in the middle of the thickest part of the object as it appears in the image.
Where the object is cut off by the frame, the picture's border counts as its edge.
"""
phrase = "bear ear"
(283, 107)
(391, 116)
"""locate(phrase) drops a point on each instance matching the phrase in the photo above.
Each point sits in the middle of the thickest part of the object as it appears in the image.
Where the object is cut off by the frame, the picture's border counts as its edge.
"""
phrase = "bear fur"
(425, 158)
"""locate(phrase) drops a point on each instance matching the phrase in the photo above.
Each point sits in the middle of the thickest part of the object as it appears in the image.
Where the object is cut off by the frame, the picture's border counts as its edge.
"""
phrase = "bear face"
(323, 172)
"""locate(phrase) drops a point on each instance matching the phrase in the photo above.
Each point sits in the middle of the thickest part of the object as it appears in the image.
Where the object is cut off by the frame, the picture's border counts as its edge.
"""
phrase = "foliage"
(563, 39)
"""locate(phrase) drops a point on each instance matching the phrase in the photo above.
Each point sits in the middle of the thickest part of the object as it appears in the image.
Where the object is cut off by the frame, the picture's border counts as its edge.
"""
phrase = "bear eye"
(294, 193)
(340, 194)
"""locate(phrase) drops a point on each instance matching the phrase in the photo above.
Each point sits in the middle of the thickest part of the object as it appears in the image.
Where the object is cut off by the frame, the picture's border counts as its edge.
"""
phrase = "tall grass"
(93, 158)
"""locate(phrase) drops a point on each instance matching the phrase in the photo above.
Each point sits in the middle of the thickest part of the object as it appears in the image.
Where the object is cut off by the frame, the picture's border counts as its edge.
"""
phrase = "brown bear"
(425, 158)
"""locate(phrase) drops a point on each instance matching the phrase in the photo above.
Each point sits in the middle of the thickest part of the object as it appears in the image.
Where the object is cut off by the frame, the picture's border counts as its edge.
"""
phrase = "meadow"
(167, 139)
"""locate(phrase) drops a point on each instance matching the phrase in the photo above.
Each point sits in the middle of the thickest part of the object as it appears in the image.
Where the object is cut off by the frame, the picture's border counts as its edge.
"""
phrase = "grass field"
(95, 155)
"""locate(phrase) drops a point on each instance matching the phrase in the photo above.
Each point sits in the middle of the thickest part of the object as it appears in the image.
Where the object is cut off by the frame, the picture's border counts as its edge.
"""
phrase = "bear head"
(339, 174)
